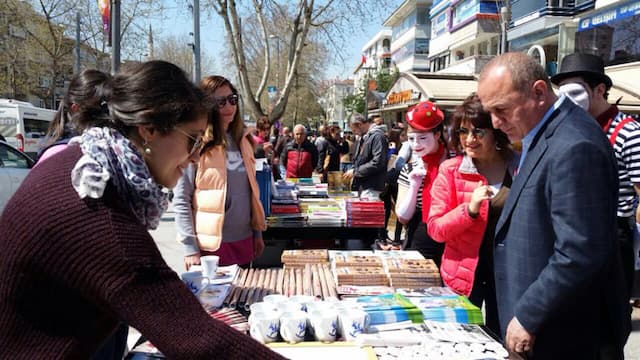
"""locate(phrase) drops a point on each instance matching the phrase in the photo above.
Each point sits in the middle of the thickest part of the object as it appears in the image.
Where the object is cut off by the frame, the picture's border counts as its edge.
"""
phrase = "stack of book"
(448, 308)
(365, 213)
(361, 275)
(322, 211)
(300, 257)
(412, 273)
(389, 308)
(285, 208)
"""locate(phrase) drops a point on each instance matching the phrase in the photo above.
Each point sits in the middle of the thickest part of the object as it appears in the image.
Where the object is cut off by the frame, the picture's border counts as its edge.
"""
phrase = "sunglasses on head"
(222, 100)
(477, 133)
(194, 144)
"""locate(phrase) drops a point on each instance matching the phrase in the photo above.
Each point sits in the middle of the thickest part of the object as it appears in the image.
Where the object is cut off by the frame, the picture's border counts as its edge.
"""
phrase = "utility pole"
(115, 36)
(505, 17)
(77, 65)
(195, 46)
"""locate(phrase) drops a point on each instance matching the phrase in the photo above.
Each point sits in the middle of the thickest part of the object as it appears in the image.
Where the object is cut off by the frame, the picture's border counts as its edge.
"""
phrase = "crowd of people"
(541, 236)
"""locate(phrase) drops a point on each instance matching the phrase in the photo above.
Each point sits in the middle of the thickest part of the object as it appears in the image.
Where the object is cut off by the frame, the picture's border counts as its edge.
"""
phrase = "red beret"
(425, 116)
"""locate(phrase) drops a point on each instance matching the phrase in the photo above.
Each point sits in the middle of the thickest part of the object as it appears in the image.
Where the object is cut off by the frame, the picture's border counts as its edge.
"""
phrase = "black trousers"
(418, 239)
(625, 240)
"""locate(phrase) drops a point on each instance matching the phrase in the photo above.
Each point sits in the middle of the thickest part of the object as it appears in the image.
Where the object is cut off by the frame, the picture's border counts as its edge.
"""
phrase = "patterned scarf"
(431, 164)
(108, 156)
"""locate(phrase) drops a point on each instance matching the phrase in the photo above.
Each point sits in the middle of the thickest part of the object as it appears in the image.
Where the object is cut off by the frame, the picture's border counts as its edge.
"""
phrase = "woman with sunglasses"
(466, 201)
(425, 126)
(213, 198)
(78, 256)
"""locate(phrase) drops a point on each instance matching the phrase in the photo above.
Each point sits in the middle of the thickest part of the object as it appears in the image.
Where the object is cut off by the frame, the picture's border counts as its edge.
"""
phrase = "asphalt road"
(165, 237)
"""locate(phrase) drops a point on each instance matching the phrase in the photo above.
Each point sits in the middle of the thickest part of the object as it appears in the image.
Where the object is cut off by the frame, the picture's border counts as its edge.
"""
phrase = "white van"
(23, 125)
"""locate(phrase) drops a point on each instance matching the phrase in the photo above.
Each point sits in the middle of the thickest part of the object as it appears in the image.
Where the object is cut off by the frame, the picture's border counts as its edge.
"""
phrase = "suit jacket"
(557, 265)
(370, 164)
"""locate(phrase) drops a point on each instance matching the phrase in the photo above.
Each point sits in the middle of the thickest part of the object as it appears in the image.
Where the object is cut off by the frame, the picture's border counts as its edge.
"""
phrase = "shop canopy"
(625, 78)
(446, 90)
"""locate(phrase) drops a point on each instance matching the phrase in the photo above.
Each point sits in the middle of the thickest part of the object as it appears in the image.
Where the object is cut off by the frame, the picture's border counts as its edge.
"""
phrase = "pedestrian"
(559, 283)
(217, 200)
(425, 122)
(369, 172)
(283, 140)
(582, 78)
(467, 197)
(300, 155)
(84, 103)
(81, 258)
(263, 147)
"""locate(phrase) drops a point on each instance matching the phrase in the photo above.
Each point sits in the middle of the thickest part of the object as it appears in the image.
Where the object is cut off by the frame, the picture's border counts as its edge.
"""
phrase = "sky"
(179, 23)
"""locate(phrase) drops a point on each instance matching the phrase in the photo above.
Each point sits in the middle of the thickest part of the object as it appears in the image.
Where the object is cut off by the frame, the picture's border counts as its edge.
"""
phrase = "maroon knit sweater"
(70, 269)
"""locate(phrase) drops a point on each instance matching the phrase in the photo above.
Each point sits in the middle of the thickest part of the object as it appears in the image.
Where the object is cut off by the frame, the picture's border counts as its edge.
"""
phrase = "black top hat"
(583, 65)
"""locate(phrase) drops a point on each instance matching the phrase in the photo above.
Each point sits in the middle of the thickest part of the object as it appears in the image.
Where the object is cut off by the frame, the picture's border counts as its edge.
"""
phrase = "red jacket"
(450, 223)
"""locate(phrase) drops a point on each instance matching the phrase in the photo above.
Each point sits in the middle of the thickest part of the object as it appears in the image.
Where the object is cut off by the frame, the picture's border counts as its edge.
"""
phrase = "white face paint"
(423, 143)
(577, 93)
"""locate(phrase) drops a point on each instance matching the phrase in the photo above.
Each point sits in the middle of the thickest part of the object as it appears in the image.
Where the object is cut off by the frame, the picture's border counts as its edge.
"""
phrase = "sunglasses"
(195, 143)
(477, 133)
(222, 101)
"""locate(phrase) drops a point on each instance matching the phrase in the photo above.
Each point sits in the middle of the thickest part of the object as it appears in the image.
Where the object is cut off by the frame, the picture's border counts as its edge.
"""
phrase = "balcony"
(470, 65)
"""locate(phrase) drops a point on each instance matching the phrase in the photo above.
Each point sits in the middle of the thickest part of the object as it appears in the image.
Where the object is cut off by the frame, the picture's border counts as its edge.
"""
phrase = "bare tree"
(174, 49)
(293, 22)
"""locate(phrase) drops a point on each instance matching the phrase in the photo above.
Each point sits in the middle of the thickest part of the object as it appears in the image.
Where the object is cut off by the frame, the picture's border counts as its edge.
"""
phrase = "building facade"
(336, 113)
(465, 35)
(376, 57)
(410, 34)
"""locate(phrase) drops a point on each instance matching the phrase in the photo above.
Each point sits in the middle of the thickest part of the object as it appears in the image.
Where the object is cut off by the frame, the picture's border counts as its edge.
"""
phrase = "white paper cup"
(324, 324)
(352, 322)
(194, 280)
(210, 265)
(320, 305)
(293, 326)
(264, 326)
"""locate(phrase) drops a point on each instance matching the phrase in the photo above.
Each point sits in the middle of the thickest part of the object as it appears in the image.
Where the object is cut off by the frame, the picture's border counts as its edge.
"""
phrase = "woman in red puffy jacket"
(467, 197)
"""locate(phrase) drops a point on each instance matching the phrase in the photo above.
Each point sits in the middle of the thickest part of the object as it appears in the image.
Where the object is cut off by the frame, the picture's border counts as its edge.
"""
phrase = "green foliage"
(354, 103)
(385, 80)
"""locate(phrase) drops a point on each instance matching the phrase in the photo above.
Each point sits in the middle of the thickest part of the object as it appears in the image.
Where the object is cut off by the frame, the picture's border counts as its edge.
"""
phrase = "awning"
(446, 90)
(625, 78)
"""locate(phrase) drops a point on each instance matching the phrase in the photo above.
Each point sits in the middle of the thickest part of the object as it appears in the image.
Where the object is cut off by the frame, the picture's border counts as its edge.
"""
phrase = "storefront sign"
(608, 16)
(399, 97)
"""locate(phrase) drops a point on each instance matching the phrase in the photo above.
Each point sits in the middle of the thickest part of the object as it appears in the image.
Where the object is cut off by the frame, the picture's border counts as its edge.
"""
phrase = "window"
(616, 41)
(35, 128)
(10, 158)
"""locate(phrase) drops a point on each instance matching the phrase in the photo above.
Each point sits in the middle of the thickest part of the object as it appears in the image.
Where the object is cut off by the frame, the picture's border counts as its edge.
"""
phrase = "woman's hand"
(258, 245)
(481, 193)
(191, 260)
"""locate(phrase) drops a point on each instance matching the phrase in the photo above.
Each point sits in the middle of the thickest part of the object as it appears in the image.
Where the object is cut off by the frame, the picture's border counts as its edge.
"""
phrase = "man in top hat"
(582, 78)
(370, 164)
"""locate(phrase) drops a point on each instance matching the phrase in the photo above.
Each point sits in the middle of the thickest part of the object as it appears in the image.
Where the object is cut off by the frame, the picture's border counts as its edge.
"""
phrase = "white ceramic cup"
(194, 280)
(293, 326)
(264, 326)
(352, 322)
(302, 300)
(210, 265)
(324, 324)
(288, 306)
(275, 299)
(320, 305)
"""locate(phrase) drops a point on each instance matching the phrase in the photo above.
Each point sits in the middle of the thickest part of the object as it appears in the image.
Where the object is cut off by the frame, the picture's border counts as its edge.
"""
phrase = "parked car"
(14, 167)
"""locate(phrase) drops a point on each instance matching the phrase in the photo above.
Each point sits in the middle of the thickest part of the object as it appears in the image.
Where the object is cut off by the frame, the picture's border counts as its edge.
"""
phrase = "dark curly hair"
(471, 110)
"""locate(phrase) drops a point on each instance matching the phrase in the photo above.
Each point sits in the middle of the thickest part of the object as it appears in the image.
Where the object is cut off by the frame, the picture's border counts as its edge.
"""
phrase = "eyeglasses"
(222, 101)
(477, 133)
(195, 143)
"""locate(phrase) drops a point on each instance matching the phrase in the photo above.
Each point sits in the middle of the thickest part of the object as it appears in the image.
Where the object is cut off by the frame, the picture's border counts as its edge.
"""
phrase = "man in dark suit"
(559, 282)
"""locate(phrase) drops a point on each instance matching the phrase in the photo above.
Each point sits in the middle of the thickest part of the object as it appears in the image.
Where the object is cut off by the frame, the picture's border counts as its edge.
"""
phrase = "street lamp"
(272, 36)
